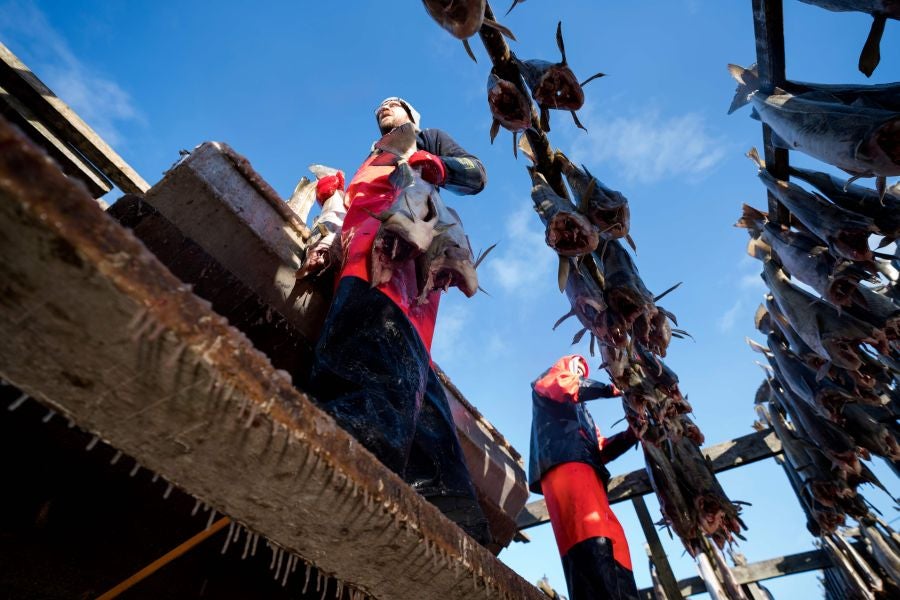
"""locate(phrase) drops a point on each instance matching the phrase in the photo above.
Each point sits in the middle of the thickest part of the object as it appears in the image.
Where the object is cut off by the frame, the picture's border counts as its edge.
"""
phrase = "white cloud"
(100, 102)
(523, 261)
(648, 146)
(448, 334)
(726, 322)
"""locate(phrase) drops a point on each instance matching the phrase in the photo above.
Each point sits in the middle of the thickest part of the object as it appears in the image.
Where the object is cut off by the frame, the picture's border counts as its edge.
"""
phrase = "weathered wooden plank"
(71, 163)
(657, 553)
(758, 571)
(18, 79)
(97, 328)
(724, 456)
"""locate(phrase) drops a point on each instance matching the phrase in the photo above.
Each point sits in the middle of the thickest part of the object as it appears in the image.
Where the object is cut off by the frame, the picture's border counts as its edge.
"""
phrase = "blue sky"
(291, 84)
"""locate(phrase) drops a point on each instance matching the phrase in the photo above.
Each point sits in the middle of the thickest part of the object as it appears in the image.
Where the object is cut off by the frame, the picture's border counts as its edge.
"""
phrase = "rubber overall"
(373, 372)
(566, 465)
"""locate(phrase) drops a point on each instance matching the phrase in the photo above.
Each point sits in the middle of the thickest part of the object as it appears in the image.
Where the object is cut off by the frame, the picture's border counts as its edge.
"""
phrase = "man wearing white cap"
(372, 370)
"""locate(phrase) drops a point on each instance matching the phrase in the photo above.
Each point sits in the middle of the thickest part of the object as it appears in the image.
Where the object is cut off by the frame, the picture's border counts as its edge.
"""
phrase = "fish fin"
(871, 55)
(562, 273)
(757, 347)
(759, 249)
(469, 50)
(559, 42)
(321, 171)
(579, 335)
(754, 114)
(302, 198)
(851, 180)
(669, 315)
(495, 25)
(560, 320)
(577, 122)
(753, 154)
(512, 6)
(545, 119)
(751, 218)
(515, 146)
(591, 78)
(495, 129)
(748, 82)
(525, 147)
(631, 243)
(657, 298)
(483, 255)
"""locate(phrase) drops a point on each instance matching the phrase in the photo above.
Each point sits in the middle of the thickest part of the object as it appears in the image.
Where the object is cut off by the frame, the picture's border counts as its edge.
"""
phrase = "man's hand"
(614, 391)
(328, 185)
(432, 168)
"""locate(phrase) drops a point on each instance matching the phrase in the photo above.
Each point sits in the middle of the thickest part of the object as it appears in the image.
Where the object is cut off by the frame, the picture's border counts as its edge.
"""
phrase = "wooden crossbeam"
(19, 81)
(724, 456)
(758, 571)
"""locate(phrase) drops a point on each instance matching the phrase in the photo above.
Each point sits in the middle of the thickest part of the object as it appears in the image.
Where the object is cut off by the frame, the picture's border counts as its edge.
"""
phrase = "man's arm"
(465, 173)
(615, 446)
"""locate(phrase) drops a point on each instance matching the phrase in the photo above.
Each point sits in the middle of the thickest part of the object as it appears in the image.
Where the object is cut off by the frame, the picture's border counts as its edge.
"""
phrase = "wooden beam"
(657, 553)
(19, 81)
(724, 456)
(768, 25)
(71, 162)
(759, 571)
(94, 326)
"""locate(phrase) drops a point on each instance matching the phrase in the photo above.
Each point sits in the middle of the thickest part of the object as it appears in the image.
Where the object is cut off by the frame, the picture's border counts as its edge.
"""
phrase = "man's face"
(391, 114)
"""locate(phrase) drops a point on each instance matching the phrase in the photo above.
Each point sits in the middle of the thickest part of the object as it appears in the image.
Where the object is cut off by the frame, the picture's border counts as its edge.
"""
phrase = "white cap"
(413, 113)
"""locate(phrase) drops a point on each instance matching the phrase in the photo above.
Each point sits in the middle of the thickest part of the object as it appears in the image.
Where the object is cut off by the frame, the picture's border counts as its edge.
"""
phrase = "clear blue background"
(290, 84)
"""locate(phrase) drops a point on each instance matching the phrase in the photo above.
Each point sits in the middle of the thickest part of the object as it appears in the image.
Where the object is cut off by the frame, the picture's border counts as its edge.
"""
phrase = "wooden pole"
(165, 559)
(663, 569)
(768, 25)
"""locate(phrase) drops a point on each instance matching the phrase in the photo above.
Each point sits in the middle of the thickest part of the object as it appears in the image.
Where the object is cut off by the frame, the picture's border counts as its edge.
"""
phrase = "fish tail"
(748, 83)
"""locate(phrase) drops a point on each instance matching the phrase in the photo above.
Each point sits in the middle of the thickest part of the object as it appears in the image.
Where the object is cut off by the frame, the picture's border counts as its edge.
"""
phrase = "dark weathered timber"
(724, 456)
(657, 553)
(758, 571)
(20, 82)
(768, 25)
(97, 328)
(72, 163)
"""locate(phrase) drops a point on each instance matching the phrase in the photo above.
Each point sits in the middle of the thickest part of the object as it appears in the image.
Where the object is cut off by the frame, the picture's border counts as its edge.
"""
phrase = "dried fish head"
(462, 18)
(509, 106)
(568, 232)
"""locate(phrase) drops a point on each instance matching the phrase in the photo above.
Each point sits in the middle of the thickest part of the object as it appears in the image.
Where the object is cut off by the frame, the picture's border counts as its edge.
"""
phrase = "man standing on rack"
(372, 370)
(566, 465)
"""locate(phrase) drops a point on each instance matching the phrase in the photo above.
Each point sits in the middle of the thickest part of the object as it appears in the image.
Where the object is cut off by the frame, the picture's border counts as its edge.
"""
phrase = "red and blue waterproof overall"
(566, 465)
(372, 370)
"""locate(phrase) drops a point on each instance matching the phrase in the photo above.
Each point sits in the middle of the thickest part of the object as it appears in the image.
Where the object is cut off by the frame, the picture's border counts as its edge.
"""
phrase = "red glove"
(432, 168)
(328, 185)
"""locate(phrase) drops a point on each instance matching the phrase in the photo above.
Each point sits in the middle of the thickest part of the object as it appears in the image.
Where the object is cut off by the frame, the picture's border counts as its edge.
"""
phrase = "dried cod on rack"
(607, 295)
(826, 484)
(881, 11)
